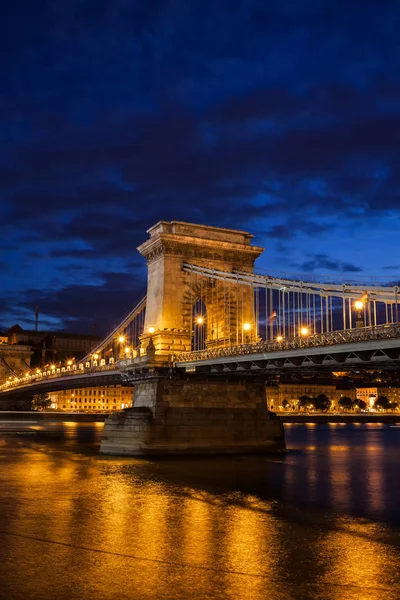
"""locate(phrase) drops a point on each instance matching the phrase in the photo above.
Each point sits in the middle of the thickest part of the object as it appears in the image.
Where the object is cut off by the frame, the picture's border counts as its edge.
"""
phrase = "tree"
(346, 403)
(383, 402)
(362, 405)
(41, 401)
(305, 401)
(285, 403)
(322, 402)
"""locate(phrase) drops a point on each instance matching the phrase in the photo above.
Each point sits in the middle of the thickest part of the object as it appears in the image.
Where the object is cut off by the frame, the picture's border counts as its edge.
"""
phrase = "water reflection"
(74, 524)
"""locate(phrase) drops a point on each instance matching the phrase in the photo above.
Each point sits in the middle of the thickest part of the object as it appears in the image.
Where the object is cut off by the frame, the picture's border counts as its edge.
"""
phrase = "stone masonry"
(175, 413)
(169, 288)
(173, 416)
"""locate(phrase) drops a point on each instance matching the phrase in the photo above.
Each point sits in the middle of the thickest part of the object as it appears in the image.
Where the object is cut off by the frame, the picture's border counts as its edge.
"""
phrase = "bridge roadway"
(369, 347)
(92, 377)
(366, 348)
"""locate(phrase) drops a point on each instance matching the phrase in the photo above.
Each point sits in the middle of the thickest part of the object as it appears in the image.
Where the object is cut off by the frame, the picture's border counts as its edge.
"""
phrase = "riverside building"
(291, 392)
(107, 398)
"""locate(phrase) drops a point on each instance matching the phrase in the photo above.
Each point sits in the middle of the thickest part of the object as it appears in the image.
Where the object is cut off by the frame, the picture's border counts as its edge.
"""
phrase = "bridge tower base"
(194, 416)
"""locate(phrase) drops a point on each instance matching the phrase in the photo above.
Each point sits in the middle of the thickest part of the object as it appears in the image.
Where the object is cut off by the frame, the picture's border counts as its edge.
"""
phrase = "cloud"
(322, 262)
(283, 120)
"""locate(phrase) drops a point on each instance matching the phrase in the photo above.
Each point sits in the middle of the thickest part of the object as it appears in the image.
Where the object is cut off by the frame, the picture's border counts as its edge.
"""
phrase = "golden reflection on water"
(165, 535)
(363, 568)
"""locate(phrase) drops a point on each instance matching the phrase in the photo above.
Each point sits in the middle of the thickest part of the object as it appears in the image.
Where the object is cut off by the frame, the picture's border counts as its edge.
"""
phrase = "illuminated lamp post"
(121, 340)
(359, 305)
(246, 329)
(303, 332)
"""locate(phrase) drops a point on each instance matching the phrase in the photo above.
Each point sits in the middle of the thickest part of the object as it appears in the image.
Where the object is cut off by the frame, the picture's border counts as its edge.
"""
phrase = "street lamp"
(200, 320)
(121, 339)
(279, 338)
(246, 329)
(359, 305)
(151, 329)
(304, 331)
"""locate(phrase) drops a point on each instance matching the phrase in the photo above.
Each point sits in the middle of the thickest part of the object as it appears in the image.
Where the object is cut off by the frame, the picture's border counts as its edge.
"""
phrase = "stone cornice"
(192, 248)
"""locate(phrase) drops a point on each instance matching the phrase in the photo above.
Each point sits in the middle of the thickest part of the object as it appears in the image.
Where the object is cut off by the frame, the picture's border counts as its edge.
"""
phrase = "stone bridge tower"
(171, 291)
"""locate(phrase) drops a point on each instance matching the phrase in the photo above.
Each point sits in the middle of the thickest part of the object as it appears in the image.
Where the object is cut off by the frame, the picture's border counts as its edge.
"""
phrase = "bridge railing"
(33, 379)
(332, 338)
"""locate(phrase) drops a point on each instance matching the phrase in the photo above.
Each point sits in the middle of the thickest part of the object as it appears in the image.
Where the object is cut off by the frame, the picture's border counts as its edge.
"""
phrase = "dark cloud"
(282, 119)
(322, 262)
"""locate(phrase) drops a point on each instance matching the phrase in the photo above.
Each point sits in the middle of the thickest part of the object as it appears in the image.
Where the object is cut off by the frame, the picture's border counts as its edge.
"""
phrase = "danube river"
(321, 523)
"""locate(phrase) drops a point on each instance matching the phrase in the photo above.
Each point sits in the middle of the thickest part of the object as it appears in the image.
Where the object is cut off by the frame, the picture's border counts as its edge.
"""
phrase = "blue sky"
(280, 118)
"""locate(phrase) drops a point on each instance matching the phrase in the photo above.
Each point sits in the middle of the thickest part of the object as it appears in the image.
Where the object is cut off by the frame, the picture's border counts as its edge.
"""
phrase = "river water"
(321, 523)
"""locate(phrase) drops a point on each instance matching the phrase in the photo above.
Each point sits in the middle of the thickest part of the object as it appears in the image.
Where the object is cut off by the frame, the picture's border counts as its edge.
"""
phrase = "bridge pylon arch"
(170, 288)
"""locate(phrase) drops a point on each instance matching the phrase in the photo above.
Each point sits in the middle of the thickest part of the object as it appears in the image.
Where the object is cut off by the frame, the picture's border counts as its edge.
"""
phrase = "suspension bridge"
(208, 312)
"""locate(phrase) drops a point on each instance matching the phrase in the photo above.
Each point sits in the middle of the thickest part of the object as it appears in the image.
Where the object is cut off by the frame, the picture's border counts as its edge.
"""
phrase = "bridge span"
(207, 312)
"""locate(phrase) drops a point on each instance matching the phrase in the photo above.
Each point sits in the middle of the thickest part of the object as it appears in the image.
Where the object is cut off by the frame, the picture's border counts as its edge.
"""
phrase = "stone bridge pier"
(175, 413)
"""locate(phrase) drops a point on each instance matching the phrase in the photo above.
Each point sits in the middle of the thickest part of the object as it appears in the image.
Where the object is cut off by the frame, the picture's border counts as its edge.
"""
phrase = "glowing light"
(151, 330)
(279, 338)
(121, 339)
(304, 331)
(69, 363)
(127, 350)
(200, 320)
(358, 304)
(95, 356)
(246, 326)
(52, 367)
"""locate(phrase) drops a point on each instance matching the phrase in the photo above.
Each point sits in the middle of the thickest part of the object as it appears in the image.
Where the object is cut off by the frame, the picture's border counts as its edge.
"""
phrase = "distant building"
(370, 394)
(3, 338)
(291, 392)
(52, 346)
(107, 398)
(15, 361)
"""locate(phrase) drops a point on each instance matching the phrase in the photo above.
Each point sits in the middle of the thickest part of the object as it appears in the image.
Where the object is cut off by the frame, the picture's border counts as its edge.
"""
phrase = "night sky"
(280, 118)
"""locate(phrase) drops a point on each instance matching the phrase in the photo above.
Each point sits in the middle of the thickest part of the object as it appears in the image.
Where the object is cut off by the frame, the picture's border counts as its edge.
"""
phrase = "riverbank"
(339, 418)
(33, 415)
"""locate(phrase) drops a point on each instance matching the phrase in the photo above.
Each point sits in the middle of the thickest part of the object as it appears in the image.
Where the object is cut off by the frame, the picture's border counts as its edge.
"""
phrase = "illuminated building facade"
(96, 399)
(291, 392)
(370, 394)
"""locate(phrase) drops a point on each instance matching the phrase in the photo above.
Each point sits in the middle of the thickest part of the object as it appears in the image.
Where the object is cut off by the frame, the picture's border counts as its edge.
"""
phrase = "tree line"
(322, 403)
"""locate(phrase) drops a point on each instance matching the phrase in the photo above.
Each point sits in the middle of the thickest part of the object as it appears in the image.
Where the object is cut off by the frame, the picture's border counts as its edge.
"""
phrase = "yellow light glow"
(52, 367)
(69, 363)
(358, 304)
(246, 326)
(127, 350)
(121, 339)
(200, 320)
(279, 338)
(95, 356)
(151, 330)
(304, 331)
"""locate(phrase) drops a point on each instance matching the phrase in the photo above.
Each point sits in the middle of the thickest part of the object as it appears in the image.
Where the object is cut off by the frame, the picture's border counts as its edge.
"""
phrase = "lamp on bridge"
(200, 320)
(246, 329)
(279, 338)
(304, 331)
(359, 305)
(121, 340)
